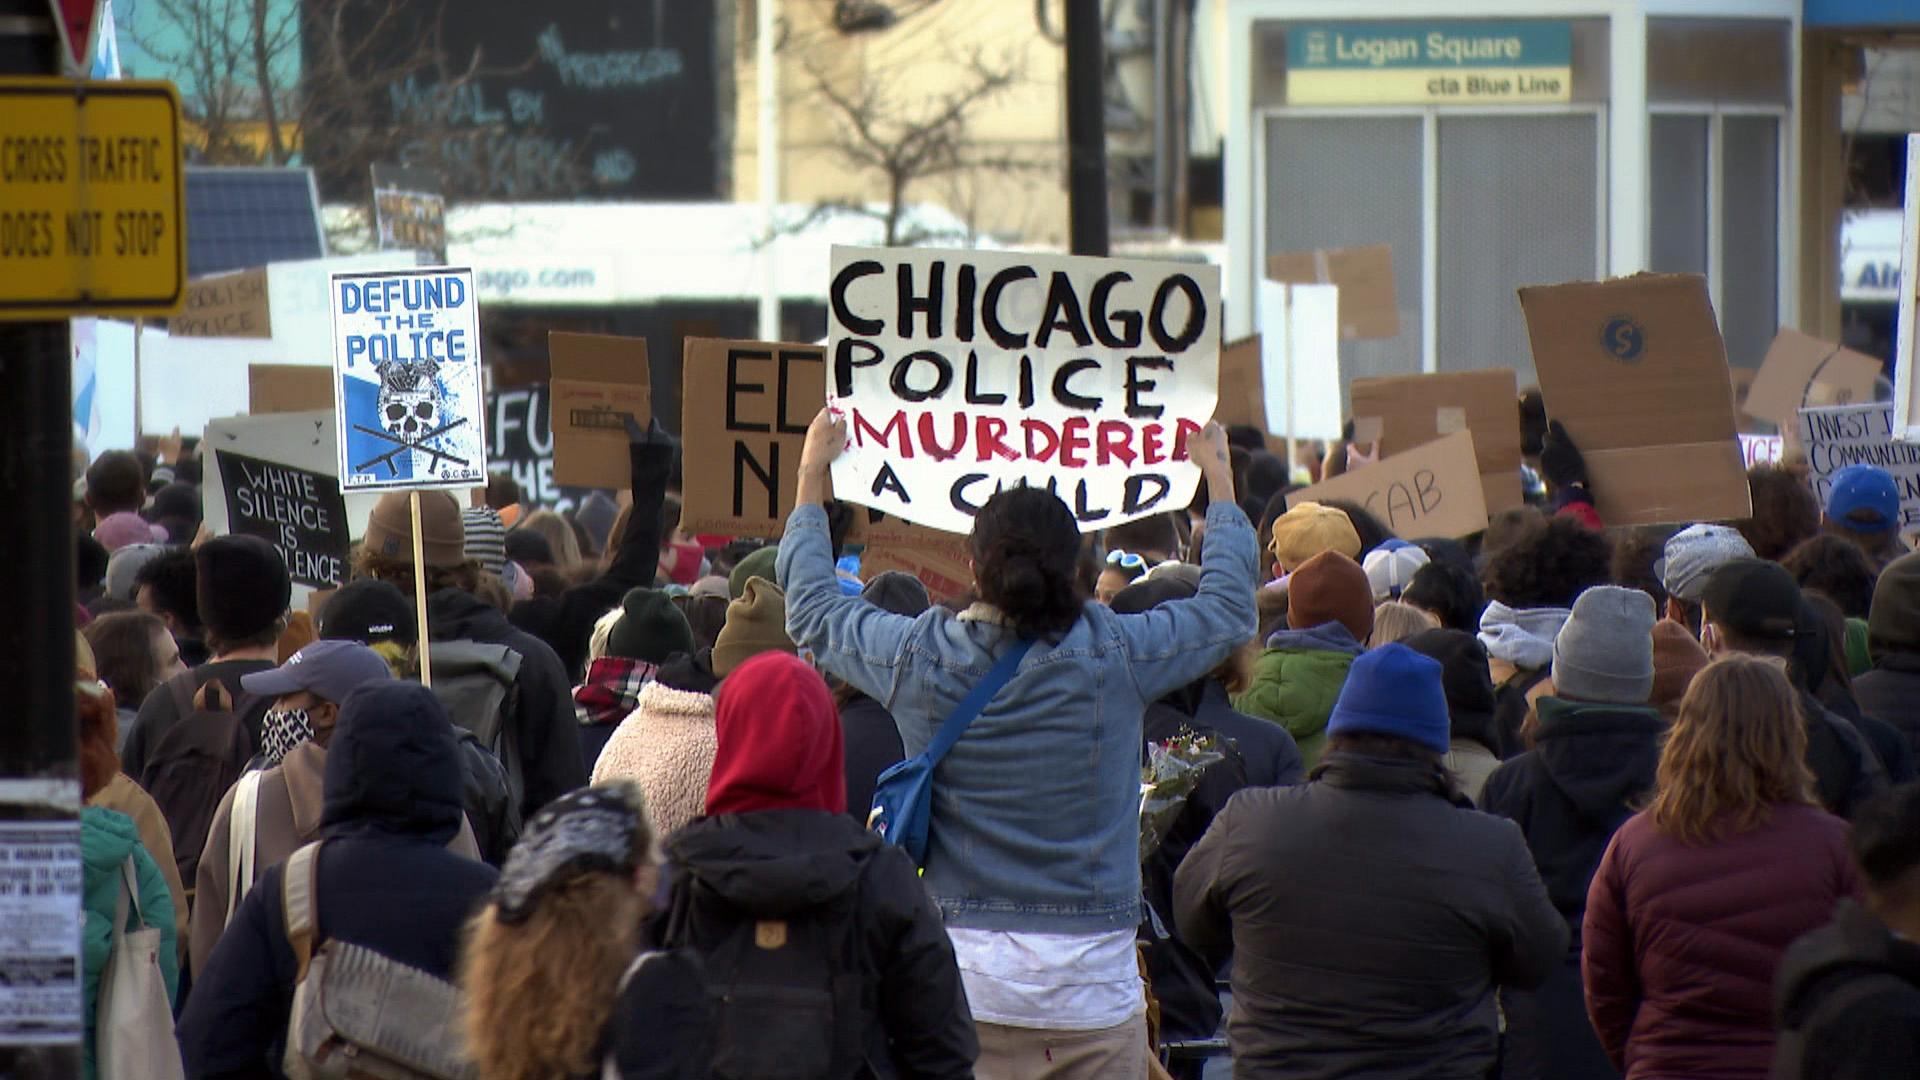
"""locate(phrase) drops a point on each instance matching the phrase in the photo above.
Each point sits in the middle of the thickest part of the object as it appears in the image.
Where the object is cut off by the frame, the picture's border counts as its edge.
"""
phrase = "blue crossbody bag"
(903, 796)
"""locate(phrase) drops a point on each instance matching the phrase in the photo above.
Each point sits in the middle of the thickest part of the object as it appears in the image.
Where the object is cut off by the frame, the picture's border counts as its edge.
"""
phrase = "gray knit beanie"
(1604, 653)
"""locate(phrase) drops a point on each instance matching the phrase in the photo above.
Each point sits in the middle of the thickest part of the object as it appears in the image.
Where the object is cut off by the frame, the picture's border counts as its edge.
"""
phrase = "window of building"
(1474, 204)
(1476, 201)
(1718, 91)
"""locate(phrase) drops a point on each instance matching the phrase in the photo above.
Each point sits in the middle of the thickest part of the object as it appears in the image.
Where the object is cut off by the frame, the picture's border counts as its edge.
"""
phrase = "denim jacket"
(1036, 817)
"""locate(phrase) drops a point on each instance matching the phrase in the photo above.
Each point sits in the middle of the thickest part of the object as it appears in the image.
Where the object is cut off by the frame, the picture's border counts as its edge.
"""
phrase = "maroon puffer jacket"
(1681, 942)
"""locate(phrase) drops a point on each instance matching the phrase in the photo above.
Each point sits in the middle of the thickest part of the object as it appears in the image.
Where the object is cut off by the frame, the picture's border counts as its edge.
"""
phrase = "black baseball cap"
(369, 610)
(1754, 598)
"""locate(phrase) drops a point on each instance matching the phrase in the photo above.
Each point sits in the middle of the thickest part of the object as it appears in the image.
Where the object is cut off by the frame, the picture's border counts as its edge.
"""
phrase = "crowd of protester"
(1255, 784)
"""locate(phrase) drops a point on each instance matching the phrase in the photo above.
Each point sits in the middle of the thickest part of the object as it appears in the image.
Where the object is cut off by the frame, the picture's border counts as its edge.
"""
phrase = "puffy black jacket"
(1848, 1003)
(386, 881)
(1589, 764)
(544, 728)
(872, 745)
(1846, 771)
(1891, 692)
(1574, 788)
(1370, 921)
(772, 864)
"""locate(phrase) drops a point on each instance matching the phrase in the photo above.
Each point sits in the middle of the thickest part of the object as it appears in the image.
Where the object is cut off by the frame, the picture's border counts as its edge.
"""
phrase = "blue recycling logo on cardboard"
(406, 360)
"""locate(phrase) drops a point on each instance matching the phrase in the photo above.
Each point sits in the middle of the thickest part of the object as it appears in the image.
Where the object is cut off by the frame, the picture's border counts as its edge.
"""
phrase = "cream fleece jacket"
(666, 745)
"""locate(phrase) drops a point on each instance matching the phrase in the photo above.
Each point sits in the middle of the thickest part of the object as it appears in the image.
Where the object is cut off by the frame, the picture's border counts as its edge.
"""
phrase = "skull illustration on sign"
(409, 399)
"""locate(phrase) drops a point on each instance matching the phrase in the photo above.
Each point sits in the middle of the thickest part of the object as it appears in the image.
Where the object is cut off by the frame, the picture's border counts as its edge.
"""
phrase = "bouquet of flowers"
(1171, 772)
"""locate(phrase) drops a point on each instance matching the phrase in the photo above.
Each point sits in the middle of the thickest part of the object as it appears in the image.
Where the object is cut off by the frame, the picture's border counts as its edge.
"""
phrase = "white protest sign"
(1761, 449)
(406, 363)
(1906, 418)
(1300, 359)
(962, 372)
(1861, 435)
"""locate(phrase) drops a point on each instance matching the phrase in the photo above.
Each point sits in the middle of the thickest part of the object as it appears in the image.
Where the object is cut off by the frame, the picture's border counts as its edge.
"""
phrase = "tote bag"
(133, 1025)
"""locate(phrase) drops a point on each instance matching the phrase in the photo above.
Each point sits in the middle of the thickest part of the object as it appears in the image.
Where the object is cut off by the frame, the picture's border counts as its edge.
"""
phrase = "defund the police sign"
(406, 364)
(1438, 63)
(963, 372)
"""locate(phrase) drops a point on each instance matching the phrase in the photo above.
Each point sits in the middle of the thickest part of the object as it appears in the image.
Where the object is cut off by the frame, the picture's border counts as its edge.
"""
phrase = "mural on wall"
(563, 101)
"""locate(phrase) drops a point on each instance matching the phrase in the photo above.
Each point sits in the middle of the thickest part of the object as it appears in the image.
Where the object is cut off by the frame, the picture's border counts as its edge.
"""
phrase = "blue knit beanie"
(1393, 690)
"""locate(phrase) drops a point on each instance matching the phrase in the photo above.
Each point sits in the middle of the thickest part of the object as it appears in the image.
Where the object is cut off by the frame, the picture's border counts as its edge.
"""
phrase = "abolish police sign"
(406, 362)
(963, 372)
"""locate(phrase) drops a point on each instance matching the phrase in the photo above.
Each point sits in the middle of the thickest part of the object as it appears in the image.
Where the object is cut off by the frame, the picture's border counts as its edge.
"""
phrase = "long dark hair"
(1025, 547)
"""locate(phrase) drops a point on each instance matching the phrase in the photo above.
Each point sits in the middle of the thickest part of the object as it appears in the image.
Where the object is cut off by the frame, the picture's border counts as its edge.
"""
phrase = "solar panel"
(242, 217)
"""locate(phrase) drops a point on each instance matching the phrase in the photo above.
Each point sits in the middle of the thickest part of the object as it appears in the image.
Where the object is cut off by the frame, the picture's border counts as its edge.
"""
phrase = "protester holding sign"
(566, 621)
(1035, 866)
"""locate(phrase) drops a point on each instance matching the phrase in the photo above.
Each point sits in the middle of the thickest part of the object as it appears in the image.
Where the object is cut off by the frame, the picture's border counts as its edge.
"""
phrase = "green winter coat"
(107, 837)
(1297, 680)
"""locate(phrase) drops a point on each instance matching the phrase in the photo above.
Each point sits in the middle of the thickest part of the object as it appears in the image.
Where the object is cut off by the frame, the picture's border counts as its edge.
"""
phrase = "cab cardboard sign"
(92, 199)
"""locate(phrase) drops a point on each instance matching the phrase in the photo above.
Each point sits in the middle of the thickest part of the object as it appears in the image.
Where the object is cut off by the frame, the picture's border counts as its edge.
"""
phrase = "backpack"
(487, 793)
(133, 1026)
(194, 761)
(358, 1015)
(1848, 992)
(477, 683)
(788, 999)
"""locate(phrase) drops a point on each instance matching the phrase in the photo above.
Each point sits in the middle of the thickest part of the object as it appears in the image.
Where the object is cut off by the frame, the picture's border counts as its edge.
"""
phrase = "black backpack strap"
(182, 687)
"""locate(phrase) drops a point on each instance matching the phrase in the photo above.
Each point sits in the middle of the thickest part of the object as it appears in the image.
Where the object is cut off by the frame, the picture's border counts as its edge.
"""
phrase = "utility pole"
(40, 871)
(767, 154)
(1086, 127)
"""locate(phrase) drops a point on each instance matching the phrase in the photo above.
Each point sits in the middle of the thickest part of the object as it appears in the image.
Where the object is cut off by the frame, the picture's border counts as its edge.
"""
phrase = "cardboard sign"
(226, 305)
(962, 372)
(1837, 437)
(599, 383)
(1408, 410)
(299, 511)
(409, 210)
(1429, 491)
(746, 406)
(284, 388)
(1635, 369)
(1368, 307)
(942, 566)
(1242, 391)
(1906, 412)
(1300, 359)
(1796, 365)
(406, 363)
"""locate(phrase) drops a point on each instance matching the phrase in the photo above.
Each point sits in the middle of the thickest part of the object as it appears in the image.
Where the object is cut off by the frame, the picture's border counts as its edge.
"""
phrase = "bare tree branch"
(903, 141)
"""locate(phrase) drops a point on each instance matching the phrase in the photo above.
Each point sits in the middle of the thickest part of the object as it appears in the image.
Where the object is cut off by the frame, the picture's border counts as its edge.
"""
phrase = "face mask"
(281, 730)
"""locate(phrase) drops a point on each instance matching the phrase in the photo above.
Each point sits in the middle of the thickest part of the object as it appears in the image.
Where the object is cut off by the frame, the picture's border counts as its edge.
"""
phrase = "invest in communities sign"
(1452, 63)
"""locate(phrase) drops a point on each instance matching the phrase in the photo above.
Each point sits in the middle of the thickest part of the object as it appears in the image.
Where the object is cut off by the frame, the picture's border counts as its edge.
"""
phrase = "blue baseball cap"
(1865, 499)
(329, 670)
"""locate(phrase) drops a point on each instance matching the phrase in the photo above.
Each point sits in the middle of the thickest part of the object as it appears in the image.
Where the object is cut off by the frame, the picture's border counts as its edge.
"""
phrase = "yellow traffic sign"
(92, 199)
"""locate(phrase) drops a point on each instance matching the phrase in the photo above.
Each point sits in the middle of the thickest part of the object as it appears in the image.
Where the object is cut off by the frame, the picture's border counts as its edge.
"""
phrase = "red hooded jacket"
(779, 741)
